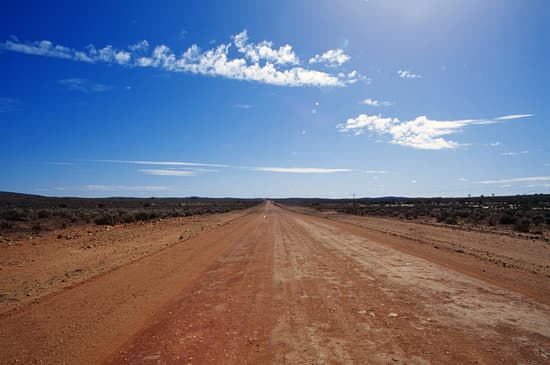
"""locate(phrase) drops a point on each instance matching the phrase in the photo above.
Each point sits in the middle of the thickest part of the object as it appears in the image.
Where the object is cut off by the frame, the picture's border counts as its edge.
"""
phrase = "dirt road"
(280, 287)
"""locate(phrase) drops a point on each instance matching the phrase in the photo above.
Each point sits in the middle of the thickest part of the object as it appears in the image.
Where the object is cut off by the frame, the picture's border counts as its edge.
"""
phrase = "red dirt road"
(280, 287)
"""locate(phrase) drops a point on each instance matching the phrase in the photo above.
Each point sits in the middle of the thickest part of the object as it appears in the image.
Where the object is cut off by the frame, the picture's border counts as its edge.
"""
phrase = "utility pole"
(353, 204)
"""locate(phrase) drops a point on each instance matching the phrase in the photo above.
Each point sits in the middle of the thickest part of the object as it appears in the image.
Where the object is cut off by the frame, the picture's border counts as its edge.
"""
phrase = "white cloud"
(300, 170)
(45, 48)
(419, 133)
(124, 188)
(162, 163)
(462, 179)
(256, 52)
(258, 62)
(405, 74)
(353, 77)
(495, 144)
(83, 85)
(331, 58)
(375, 172)
(514, 116)
(215, 62)
(142, 46)
(10, 105)
(196, 167)
(168, 172)
(517, 180)
(514, 153)
(376, 103)
(122, 57)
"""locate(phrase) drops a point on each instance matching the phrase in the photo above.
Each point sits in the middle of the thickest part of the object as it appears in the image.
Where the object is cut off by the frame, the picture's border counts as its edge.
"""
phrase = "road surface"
(279, 287)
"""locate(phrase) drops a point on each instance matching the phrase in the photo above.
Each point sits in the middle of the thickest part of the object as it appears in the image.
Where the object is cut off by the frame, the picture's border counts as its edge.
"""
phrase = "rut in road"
(299, 290)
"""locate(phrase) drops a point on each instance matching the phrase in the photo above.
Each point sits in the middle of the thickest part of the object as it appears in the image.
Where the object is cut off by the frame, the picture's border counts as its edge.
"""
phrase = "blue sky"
(255, 99)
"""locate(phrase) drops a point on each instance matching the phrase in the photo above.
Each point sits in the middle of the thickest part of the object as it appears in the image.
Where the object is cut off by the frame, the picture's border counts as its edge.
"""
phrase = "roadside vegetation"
(521, 213)
(22, 212)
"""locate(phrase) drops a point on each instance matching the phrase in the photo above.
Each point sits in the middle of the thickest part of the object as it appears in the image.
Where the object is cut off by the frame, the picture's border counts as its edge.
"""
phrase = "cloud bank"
(257, 62)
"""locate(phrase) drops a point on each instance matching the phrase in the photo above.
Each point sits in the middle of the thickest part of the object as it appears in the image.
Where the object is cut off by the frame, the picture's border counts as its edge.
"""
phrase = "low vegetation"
(22, 212)
(521, 213)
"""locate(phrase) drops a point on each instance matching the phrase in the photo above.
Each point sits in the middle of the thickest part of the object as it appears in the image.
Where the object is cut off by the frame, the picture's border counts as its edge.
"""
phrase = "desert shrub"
(477, 216)
(62, 214)
(507, 218)
(105, 220)
(538, 220)
(522, 225)
(451, 220)
(42, 214)
(5, 225)
(36, 227)
(127, 218)
(141, 216)
(12, 215)
(442, 216)
(463, 213)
